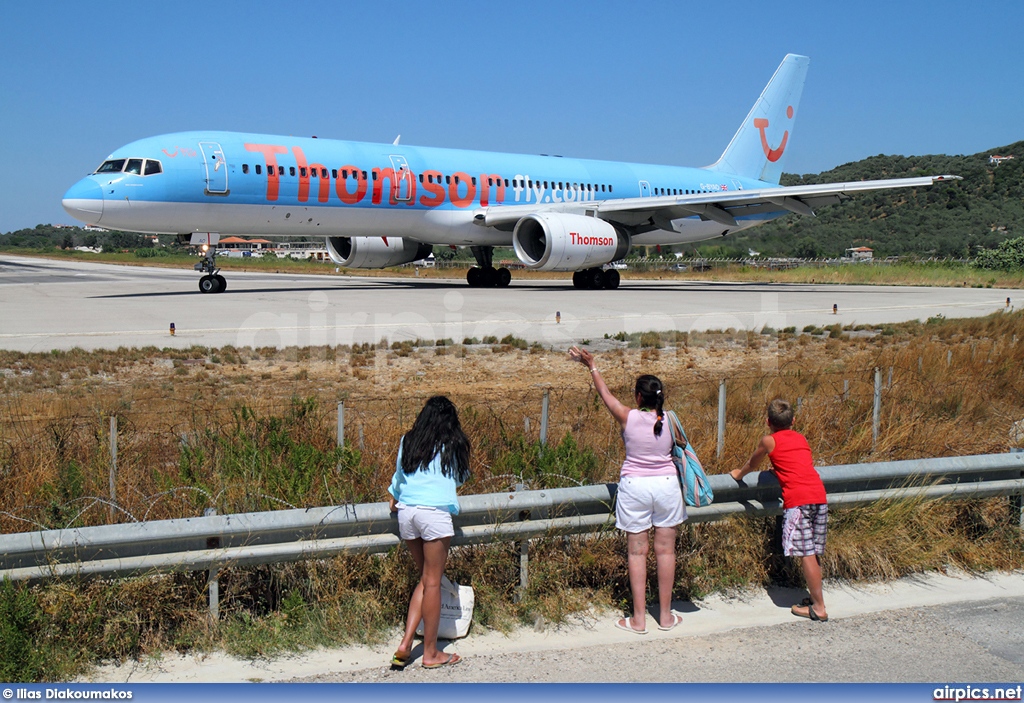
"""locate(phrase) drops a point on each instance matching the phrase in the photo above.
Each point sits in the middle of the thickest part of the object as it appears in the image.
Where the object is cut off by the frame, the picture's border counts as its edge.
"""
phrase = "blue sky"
(661, 82)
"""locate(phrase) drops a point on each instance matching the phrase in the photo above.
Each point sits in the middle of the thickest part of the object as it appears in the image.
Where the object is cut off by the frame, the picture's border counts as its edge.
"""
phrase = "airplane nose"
(84, 201)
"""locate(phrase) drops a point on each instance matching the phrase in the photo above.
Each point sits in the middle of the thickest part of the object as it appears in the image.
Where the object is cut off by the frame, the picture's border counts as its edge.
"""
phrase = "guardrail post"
(341, 424)
(212, 580)
(113, 465)
(877, 412)
(544, 417)
(1017, 501)
(721, 418)
(846, 389)
(523, 547)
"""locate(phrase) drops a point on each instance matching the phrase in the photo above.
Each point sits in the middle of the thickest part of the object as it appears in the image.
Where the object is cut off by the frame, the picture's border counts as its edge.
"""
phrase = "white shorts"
(645, 501)
(424, 522)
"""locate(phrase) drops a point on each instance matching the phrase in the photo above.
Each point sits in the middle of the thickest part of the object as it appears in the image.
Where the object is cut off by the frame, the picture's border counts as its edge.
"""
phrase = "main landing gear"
(212, 282)
(595, 279)
(486, 276)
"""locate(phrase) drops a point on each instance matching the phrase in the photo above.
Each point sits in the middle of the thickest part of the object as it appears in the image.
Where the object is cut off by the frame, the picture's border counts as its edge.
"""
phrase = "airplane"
(380, 205)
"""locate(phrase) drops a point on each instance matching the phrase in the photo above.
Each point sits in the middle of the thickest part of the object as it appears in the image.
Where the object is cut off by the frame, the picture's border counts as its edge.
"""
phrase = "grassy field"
(947, 274)
(254, 429)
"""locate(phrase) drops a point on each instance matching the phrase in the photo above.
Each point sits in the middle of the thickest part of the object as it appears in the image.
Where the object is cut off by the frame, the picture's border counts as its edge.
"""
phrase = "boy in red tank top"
(805, 507)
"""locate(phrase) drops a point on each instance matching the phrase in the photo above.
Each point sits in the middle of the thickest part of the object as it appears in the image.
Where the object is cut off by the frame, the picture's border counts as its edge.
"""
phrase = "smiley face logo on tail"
(762, 124)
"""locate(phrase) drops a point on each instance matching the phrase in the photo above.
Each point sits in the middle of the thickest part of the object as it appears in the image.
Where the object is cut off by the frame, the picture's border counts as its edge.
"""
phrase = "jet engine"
(551, 241)
(375, 252)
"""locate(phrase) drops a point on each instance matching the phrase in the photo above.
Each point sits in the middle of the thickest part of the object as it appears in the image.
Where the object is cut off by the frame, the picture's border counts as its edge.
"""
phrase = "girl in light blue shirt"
(433, 460)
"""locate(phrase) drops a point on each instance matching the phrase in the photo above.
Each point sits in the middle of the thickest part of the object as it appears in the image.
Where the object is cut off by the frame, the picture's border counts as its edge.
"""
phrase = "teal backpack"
(696, 488)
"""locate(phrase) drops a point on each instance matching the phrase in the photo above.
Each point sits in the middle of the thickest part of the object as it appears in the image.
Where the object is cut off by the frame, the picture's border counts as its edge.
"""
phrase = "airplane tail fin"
(758, 148)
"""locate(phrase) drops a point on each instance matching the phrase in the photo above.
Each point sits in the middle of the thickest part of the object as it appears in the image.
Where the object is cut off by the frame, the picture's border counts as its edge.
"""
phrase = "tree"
(1008, 256)
(807, 248)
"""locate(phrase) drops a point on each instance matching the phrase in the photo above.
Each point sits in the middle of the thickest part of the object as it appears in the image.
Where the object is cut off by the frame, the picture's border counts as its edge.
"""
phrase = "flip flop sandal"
(677, 619)
(452, 660)
(628, 627)
(809, 613)
(400, 662)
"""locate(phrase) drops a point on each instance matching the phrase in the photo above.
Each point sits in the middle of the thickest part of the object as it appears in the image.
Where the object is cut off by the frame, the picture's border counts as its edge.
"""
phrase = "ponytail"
(649, 388)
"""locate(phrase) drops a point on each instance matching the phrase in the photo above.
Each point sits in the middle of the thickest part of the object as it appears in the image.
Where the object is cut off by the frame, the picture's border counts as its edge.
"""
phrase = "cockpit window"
(153, 167)
(134, 166)
(112, 166)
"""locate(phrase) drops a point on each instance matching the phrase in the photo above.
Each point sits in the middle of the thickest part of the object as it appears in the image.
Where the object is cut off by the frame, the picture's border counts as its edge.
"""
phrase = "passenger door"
(403, 187)
(216, 168)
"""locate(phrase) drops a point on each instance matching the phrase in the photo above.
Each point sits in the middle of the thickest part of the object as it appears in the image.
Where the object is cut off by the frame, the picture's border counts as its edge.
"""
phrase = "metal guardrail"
(246, 539)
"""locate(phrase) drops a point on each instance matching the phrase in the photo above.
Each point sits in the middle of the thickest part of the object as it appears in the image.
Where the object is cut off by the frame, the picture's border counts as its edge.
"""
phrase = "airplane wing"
(725, 207)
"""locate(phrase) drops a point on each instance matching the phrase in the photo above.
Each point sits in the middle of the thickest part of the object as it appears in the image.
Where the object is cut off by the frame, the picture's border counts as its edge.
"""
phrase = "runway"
(48, 304)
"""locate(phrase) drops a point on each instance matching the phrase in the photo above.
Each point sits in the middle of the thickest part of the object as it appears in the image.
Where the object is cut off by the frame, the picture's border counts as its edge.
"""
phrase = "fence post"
(846, 389)
(721, 418)
(949, 357)
(113, 465)
(544, 418)
(877, 411)
(341, 423)
(212, 580)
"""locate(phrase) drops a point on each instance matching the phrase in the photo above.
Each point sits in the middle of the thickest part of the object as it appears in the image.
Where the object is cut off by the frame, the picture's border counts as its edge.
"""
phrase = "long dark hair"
(652, 395)
(437, 431)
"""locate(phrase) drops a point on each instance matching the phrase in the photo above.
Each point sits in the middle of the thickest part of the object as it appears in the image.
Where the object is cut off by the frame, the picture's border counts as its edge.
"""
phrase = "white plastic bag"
(456, 611)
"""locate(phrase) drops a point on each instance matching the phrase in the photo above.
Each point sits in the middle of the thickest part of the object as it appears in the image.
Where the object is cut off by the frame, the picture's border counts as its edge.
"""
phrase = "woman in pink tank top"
(649, 494)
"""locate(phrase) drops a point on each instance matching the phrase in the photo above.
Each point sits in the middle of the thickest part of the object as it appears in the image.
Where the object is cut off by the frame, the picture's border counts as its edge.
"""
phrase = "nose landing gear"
(212, 282)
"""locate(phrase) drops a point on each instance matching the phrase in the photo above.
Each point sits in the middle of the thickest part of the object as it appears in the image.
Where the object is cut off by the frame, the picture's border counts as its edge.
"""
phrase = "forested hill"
(983, 209)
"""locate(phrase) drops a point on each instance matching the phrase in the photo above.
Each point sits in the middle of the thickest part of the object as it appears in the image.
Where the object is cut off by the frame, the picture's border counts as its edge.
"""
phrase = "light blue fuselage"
(222, 182)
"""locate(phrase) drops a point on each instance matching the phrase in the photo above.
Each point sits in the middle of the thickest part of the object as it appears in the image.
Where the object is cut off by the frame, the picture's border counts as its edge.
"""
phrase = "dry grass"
(254, 429)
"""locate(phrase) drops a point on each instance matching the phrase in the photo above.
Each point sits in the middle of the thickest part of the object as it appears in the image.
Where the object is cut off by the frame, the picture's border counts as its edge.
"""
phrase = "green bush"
(20, 617)
(1008, 256)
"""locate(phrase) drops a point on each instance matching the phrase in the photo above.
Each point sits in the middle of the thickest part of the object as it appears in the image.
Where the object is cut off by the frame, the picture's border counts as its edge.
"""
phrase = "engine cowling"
(552, 241)
(375, 252)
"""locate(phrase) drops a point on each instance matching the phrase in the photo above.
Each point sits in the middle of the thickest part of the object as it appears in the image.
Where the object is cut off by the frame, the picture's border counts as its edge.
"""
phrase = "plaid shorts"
(803, 530)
